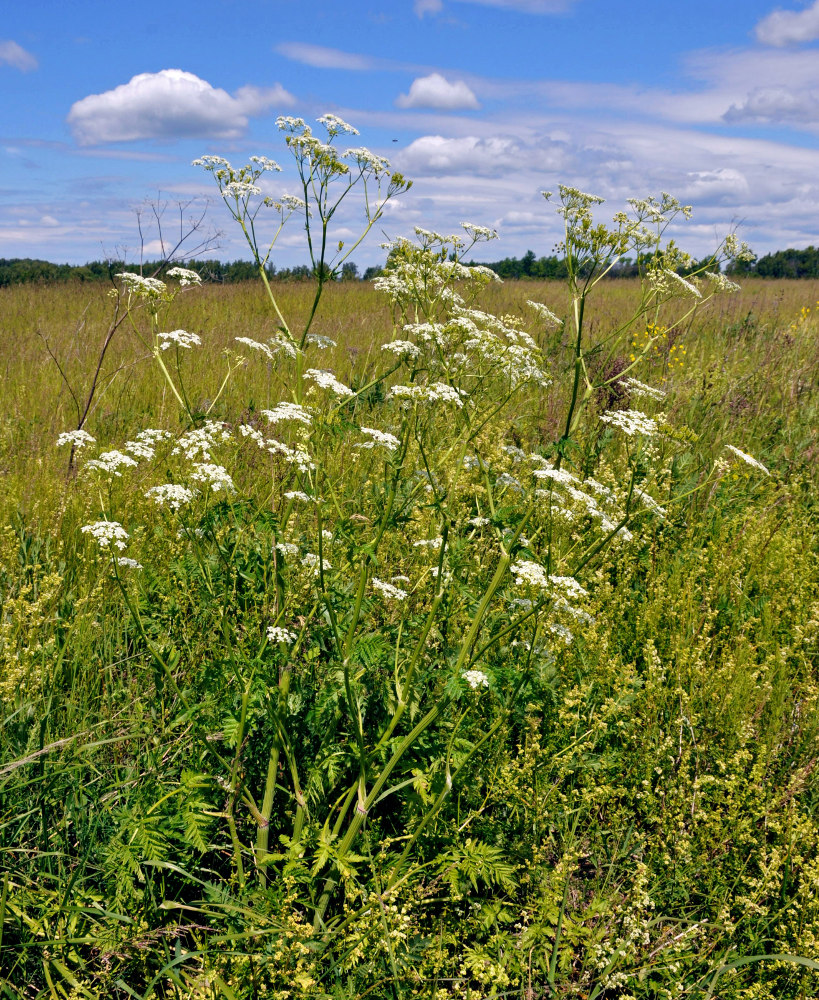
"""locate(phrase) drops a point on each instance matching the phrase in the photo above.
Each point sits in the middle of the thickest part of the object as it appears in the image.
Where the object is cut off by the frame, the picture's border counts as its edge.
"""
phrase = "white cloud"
(789, 27)
(170, 104)
(12, 54)
(437, 155)
(435, 91)
(422, 7)
(322, 57)
(777, 104)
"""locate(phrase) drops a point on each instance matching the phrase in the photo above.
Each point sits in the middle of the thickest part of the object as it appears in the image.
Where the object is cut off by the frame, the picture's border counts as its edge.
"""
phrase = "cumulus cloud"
(436, 155)
(435, 91)
(170, 104)
(789, 27)
(12, 54)
(777, 104)
(322, 57)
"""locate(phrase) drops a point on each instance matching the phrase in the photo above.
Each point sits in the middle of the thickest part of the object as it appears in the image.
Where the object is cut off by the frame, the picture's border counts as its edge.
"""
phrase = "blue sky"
(483, 103)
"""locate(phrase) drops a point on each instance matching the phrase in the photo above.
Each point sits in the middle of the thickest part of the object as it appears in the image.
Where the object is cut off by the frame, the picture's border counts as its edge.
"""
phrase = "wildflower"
(256, 346)
(171, 494)
(151, 436)
(287, 548)
(748, 459)
(479, 233)
(240, 189)
(437, 392)
(335, 125)
(146, 288)
(321, 342)
(265, 163)
(428, 543)
(127, 563)
(179, 337)
(326, 380)
(562, 632)
(79, 439)
(299, 495)
(110, 462)
(545, 313)
(721, 283)
(312, 561)
(201, 441)
(637, 388)
(295, 456)
(107, 534)
(556, 475)
(631, 422)
(185, 275)
(569, 584)
(216, 476)
(288, 411)
(382, 438)
(649, 502)
(527, 572)
(247, 431)
(478, 522)
(504, 479)
(388, 590)
(277, 634)
(142, 449)
(475, 678)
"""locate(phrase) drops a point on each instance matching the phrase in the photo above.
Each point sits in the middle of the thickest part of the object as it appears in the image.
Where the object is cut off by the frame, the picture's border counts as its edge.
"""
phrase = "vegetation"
(453, 639)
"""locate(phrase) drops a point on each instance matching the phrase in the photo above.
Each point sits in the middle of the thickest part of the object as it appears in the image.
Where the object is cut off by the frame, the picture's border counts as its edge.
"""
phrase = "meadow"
(434, 638)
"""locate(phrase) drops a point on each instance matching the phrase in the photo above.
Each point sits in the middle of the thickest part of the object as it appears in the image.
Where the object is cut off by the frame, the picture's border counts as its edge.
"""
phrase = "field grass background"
(664, 794)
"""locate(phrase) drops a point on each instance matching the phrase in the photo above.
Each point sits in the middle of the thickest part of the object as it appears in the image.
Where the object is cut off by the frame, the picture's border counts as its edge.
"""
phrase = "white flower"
(748, 459)
(545, 313)
(335, 125)
(179, 337)
(721, 283)
(631, 422)
(247, 431)
(128, 563)
(326, 380)
(287, 548)
(151, 436)
(256, 346)
(479, 233)
(504, 479)
(171, 494)
(299, 495)
(437, 392)
(265, 163)
(637, 388)
(288, 411)
(146, 288)
(649, 502)
(240, 189)
(107, 534)
(142, 449)
(478, 522)
(388, 441)
(569, 584)
(201, 441)
(527, 572)
(295, 456)
(79, 439)
(562, 632)
(388, 590)
(185, 275)
(277, 634)
(475, 678)
(312, 561)
(403, 348)
(216, 476)
(111, 462)
(428, 543)
(321, 342)
(557, 475)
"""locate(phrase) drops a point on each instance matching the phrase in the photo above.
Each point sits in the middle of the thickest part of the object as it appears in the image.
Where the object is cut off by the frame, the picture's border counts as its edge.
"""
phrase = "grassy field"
(250, 769)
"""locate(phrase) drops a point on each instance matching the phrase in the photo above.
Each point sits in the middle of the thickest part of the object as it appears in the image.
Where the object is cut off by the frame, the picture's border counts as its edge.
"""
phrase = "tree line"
(789, 263)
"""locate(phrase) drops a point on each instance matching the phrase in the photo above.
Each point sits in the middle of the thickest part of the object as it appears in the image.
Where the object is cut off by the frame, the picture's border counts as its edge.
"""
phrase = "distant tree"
(349, 271)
